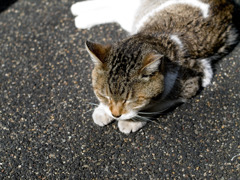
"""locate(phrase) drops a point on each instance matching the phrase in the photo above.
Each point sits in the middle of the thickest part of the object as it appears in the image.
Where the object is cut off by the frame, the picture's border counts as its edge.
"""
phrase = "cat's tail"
(229, 11)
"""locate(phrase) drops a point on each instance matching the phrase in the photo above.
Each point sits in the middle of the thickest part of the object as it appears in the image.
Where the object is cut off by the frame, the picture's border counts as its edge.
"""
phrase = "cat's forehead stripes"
(125, 59)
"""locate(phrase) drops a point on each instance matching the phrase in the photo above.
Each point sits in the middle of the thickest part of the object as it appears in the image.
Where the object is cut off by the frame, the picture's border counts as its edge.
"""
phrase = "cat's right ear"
(151, 63)
(98, 52)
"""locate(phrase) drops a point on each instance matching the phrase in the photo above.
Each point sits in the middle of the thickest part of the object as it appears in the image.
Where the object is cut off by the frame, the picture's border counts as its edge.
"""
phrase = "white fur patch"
(91, 13)
(208, 73)
(127, 116)
(176, 39)
(195, 3)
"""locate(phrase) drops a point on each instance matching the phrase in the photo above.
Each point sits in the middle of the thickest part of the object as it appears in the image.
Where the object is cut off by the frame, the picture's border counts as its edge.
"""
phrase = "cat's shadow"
(236, 15)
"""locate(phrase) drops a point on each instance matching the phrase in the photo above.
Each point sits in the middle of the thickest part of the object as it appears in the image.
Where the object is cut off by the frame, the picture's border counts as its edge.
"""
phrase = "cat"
(166, 59)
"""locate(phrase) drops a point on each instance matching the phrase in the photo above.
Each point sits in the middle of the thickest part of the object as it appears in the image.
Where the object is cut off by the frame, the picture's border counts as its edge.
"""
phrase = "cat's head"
(126, 76)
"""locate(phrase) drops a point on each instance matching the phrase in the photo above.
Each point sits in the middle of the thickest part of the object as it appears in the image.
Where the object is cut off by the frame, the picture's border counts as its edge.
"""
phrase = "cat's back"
(203, 27)
(154, 12)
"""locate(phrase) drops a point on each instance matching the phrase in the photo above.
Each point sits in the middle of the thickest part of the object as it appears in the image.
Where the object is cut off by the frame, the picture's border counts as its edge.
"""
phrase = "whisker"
(153, 113)
(141, 118)
(148, 113)
(92, 104)
(88, 111)
(92, 109)
(135, 119)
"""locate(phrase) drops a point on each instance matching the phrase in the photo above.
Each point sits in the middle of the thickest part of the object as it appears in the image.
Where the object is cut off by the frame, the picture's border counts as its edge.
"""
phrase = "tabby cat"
(165, 60)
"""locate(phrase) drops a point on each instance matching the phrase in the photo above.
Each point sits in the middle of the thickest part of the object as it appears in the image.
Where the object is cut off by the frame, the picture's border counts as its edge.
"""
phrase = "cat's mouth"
(127, 116)
(132, 115)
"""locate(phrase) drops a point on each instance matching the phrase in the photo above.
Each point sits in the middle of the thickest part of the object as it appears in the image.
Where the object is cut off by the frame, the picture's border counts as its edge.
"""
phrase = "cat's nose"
(116, 109)
(116, 115)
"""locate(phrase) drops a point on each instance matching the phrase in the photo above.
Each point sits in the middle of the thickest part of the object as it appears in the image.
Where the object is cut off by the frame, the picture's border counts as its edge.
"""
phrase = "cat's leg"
(190, 87)
(94, 12)
(130, 126)
(100, 116)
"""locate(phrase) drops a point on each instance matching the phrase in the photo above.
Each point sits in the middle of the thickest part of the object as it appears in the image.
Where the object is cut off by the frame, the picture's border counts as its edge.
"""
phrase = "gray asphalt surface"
(46, 130)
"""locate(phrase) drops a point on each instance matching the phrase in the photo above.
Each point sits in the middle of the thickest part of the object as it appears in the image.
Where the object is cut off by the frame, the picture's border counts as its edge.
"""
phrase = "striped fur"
(165, 61)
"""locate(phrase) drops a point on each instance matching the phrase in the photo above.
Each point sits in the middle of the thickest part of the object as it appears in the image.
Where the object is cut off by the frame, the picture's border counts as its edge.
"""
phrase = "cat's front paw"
(130, 126)
(100, 117)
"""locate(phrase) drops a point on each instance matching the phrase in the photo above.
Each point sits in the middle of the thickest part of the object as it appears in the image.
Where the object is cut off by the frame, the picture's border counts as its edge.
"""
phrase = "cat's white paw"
(130, 126)
(100, 117)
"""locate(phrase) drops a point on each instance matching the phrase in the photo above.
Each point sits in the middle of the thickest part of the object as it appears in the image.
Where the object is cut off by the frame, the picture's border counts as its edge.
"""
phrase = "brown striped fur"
(135, 73)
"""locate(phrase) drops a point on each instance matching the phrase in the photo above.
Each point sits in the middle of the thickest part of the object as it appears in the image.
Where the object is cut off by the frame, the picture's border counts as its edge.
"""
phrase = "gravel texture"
(46, 130)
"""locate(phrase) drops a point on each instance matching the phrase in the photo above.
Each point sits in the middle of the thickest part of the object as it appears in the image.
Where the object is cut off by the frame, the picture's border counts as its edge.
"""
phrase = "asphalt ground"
(46, 129)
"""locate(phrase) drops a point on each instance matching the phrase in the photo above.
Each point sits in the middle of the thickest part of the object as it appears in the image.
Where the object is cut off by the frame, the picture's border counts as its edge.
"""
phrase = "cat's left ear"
(98, 52)
(151, 63)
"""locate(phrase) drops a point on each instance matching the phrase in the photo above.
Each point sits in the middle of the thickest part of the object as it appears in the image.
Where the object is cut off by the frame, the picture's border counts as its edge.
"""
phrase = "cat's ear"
(151, 63)
(97, 52)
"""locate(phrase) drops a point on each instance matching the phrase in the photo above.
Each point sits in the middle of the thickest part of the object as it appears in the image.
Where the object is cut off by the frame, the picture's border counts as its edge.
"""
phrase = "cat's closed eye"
(131, 101)
(146, 76)
(103, 96)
